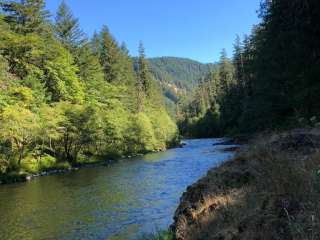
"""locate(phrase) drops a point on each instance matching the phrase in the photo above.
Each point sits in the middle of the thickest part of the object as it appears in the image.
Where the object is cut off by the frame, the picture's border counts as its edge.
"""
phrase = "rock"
(227, 142)
(231, 149)
(181, 145)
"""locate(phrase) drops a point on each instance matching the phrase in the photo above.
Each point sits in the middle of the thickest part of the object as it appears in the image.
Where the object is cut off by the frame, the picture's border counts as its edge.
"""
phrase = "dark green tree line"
(272, 81)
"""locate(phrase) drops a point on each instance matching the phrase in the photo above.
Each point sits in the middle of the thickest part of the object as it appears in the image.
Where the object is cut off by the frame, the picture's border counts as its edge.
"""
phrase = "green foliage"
(184, 73)
(272, 81)
(110, 57)
(177, 77)
(65, 100)
(143, 134)
(18, 127)
(61, 78)
(26, 16)
(164, 128)
(33, 163)
(67, 28)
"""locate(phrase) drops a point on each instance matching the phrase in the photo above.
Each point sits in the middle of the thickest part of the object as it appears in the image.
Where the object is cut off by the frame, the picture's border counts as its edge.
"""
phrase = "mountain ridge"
(184, 73)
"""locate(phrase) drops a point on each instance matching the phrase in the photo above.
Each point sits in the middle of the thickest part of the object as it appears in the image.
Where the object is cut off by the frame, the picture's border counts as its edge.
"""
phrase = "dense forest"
(271, 82)
(267, 97)
(66, 99)
(177, 78)
(182, 72)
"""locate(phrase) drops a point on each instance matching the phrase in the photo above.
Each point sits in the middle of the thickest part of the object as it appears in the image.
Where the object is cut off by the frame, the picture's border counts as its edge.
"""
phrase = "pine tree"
(67, 28)
(96, 44)
(26, 16)
(143, 70)
(124, 49)
(225, 72)
(110, 57)
(238, 62)
(90, 70)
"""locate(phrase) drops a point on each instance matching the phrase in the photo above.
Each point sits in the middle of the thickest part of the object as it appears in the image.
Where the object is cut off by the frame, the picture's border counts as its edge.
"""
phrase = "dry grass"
(268, 191)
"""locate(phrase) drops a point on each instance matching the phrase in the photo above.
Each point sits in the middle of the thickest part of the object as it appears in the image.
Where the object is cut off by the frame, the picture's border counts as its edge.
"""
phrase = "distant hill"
(182, 72)
(177, 76)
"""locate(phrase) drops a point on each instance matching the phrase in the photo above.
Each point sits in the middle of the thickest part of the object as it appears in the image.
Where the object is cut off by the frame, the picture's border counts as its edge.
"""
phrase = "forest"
(66, 99)
(270, 83)
(106, 102)
(268, 94)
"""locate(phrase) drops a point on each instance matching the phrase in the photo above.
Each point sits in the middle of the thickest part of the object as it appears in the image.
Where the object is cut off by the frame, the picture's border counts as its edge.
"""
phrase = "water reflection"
(115, 202)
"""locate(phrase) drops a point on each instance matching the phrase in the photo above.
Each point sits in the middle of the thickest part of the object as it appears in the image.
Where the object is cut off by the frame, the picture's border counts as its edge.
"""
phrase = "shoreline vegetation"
(269, 91)
(66, 100)
(269, 190)
(14, 177)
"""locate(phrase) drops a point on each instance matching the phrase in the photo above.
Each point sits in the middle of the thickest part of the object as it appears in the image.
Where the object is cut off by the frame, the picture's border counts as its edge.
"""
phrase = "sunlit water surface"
(117, 202)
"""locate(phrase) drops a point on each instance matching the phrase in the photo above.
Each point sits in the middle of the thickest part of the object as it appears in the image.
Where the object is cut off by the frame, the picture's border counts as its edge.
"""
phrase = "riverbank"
(269, 190)
(65, 167)
(123, 200)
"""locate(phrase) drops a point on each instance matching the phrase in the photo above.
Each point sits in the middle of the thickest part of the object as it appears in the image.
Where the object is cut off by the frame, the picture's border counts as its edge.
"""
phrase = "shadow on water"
(116, 202)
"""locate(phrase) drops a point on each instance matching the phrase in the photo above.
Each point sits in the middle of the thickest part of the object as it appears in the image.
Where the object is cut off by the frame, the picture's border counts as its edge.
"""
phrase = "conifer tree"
(26, 16)
(109, 57)
(143, 70)
(67, 28)
(238, 62)
(226, 71)
(96, 44)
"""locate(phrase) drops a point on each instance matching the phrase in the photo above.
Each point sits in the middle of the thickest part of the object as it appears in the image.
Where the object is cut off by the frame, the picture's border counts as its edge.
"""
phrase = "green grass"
(159, 235)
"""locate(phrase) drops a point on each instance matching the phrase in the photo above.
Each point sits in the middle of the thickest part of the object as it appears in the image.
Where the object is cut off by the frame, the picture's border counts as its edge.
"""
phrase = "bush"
(165, 130)
(34, 164)
(46, 162)
(62, 165)
(141, 134)
(30, 164)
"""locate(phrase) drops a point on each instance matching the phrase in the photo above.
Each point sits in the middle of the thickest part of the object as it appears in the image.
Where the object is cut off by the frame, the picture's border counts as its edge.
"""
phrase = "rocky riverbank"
(270, 190)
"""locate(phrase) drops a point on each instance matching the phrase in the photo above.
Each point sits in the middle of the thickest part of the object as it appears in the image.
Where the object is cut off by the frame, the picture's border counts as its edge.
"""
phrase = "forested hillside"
(271, 81)
(178, 77)
(183, 73)
(65, 98)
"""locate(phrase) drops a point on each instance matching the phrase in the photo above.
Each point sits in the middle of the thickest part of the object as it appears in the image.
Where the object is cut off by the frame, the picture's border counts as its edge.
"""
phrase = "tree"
(96, 44)
(238, 62)
(67, 28)
(109, 57)
(49, 126)
(19, 127)
(65, 99)
(143, 79)
(26, 16)
(143, 70)
(225, 72)
(61, 78)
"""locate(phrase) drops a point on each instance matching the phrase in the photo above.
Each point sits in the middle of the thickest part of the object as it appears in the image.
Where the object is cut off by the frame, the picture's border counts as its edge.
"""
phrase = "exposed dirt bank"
(270, 190)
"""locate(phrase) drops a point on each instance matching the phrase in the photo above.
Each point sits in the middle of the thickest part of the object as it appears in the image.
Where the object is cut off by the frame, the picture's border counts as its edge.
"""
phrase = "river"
(115, 202)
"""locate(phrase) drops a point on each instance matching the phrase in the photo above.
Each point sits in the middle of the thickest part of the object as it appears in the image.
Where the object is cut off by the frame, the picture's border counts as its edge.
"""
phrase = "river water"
(116, 202)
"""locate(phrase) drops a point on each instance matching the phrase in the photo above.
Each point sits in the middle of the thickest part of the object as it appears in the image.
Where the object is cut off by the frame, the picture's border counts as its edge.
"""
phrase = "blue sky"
(196, 29)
